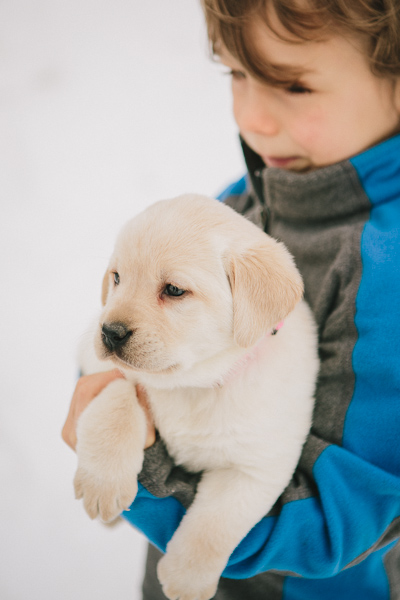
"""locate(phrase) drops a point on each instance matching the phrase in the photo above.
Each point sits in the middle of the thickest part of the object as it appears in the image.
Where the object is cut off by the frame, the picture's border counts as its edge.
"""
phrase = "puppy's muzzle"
(115, 335)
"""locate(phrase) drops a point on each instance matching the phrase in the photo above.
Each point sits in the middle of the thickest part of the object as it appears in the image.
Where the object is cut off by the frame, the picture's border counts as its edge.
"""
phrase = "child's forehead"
(279, 47)
(283, 57)
(277, 58)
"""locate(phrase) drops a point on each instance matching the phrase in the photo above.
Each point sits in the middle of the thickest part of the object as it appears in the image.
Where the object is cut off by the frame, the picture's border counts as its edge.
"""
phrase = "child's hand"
(87, 388)
(143, 401)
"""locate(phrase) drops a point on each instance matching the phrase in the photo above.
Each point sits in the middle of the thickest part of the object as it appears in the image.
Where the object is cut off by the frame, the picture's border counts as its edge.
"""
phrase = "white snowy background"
(105, 107)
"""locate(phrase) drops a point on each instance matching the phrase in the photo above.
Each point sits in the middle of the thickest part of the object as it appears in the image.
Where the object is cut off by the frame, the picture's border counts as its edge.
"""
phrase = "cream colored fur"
(227, 397)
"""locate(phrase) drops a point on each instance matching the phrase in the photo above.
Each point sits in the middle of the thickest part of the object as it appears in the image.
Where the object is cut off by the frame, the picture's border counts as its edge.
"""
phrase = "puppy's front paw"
(104, 498)
(184, 578)
(111, 434)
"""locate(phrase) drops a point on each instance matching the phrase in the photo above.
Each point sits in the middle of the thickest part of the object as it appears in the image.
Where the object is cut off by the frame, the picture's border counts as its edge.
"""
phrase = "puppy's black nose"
(115, 335)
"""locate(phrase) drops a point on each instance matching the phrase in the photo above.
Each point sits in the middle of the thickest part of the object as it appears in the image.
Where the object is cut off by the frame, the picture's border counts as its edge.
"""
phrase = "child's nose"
(255, 113)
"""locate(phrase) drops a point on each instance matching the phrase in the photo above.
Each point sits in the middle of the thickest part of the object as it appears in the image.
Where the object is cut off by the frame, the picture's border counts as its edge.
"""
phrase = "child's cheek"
(315, 133)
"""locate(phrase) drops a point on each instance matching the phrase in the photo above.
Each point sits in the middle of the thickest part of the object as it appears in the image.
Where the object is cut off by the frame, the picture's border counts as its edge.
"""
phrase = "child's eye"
(298, 88)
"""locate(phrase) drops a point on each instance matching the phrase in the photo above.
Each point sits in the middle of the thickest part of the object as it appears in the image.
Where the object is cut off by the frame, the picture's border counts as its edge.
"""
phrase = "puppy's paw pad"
(104, 498)
(173, 594)
(181, 583)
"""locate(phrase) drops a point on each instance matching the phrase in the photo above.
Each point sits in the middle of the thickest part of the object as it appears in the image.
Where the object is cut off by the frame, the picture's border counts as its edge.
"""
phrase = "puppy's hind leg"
(111, 435)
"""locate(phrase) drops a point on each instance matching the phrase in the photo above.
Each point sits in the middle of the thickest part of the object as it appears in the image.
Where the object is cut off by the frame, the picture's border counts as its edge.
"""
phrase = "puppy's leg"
(228, 504)
(111, 434)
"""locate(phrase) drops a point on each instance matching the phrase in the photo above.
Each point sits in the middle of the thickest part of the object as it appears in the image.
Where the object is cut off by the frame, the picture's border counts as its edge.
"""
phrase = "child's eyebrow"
(275, 73)
(292, 71)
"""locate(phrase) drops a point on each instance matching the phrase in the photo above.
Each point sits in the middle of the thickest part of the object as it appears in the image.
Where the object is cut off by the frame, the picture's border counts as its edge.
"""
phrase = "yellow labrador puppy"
(193, 296)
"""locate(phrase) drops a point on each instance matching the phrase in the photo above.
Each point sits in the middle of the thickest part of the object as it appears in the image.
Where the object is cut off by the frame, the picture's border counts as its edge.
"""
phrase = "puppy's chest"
(201, 430)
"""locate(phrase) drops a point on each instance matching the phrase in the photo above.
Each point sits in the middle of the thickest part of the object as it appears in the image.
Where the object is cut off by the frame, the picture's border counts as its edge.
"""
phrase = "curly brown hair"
(376, 21)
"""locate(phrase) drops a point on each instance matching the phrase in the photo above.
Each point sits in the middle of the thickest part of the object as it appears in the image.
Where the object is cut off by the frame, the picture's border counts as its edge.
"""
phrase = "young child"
(316, 96)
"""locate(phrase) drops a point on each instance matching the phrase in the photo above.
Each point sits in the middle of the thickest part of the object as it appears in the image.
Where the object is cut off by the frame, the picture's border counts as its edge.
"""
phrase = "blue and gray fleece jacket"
(334, 532)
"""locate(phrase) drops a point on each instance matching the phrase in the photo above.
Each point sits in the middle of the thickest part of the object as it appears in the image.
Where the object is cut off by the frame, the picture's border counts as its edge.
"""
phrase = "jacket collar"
(334, 192)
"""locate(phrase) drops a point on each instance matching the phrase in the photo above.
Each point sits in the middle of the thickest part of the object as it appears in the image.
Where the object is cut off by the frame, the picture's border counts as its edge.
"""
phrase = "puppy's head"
(190, 279)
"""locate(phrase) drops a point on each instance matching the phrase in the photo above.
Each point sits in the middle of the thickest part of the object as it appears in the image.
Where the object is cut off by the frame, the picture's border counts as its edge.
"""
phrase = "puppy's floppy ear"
(104, 287)
(266, 287)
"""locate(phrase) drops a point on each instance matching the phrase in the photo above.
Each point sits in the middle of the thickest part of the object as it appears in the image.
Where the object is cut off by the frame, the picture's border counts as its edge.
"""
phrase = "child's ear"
(397, 94)
(266, 287)
(105, 287)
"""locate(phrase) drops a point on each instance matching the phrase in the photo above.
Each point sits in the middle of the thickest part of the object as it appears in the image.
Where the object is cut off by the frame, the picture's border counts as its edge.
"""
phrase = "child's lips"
(278, 161)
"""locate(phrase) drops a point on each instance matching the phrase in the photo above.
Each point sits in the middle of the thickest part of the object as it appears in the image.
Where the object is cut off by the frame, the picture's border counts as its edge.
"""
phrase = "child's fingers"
(143, 401)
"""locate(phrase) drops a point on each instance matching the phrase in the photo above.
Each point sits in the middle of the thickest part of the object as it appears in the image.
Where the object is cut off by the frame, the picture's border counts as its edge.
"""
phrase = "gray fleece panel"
(320, 217)
(162, 478)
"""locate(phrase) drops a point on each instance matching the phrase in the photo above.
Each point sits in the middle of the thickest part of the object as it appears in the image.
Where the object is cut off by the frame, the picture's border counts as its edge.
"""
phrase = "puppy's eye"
(172, 290)
(116, 278)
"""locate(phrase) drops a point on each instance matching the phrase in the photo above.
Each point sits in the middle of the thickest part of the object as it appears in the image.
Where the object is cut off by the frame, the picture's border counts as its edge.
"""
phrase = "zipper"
(265, 210)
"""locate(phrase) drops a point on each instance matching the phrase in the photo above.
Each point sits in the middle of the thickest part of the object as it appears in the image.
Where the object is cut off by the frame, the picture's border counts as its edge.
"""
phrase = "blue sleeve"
(235, 189)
